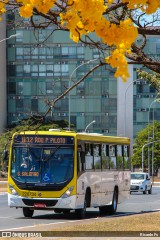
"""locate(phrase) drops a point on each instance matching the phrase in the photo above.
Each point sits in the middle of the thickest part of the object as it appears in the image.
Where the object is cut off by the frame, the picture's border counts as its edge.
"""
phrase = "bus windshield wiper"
(51, 155)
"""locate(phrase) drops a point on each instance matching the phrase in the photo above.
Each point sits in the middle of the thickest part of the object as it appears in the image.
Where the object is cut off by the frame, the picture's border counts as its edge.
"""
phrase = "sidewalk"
(155, 181)
(3, 184)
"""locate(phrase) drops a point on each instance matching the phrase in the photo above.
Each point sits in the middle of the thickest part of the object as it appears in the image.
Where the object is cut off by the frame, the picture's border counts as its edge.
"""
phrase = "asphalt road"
(12, 219)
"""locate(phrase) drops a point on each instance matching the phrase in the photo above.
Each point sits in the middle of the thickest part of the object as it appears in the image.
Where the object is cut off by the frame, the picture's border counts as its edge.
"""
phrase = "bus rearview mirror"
(5, 154)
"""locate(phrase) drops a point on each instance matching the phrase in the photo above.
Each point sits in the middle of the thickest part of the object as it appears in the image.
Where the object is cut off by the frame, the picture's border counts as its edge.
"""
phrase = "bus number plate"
(29, 194)
(40, 205)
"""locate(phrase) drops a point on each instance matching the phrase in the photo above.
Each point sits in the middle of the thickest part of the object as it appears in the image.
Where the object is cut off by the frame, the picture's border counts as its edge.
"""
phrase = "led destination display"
(45, 139)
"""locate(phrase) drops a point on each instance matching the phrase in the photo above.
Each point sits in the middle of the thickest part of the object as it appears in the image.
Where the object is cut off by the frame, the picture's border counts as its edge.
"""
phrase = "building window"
(42, 70)
(34, 70)
(19, 37)
(27, 70)
(57, 51)
(11, 70)
(27, 105)
(49, 70)
(27, 53)
(19, 53)
(80, 52)
(12, 88)
(34, 53)
(19, 70)
(49, 53)
(34, 105)
(19, 88)
(42, 53)
(49, 88)
(19, 105)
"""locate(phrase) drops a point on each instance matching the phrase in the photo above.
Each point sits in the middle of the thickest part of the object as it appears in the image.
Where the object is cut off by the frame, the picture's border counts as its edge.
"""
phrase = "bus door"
(108, 173)
(93, 171)
(89, 169)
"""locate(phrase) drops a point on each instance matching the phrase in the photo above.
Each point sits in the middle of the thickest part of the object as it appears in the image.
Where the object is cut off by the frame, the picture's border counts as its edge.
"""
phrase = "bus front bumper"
(46, 203)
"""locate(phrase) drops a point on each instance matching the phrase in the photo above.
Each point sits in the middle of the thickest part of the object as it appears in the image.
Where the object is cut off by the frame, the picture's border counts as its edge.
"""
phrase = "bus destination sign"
(43, 139)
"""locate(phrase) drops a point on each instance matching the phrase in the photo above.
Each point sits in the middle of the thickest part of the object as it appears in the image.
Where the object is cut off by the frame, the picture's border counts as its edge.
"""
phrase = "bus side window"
(119, 157)
(112, 156)
(105, 156)
(126, 157)
(97, 156)
(89, 156)
(81, 159)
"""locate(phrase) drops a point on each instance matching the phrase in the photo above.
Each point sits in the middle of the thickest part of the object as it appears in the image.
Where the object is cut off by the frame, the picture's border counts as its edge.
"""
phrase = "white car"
(140, 182)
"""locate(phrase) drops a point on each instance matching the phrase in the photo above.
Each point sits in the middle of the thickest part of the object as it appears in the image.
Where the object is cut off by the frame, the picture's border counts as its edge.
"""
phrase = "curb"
(3, 186)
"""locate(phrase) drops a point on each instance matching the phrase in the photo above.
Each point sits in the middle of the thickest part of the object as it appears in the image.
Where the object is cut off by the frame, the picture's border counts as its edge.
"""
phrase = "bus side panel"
(101, 185)
(92, 181)
(107, 186)
(124, 186)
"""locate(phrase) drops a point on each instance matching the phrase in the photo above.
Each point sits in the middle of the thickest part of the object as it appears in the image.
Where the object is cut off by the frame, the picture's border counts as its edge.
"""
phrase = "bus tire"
(103, 210)
(81, 213)
(27, 212)
(110, 209)
(66, 211)
(113, 207)
(57, 210)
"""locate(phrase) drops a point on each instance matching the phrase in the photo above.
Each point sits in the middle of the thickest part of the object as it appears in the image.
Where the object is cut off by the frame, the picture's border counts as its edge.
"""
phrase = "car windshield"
(137, 176)
(42, 164)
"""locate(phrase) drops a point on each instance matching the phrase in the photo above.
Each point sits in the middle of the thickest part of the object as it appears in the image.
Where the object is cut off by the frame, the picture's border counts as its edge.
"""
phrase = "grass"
(138, 222)
(126, 226)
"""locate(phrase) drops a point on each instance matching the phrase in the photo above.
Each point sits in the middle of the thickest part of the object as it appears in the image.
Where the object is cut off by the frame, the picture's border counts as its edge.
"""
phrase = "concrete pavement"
(3, 185)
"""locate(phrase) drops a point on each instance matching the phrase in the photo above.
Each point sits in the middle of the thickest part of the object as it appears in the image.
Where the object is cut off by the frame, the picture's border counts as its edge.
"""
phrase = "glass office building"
(42, 65)
(144, 110)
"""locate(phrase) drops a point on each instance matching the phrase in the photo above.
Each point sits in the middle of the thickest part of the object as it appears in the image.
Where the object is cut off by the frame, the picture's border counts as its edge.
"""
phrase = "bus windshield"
(35, 164)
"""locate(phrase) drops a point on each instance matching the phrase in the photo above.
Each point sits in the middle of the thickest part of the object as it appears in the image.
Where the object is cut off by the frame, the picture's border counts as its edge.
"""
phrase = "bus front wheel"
(81, 213)
(27, 212)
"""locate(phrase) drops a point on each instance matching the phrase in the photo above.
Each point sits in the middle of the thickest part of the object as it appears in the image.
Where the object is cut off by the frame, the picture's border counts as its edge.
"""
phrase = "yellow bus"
(64, 171)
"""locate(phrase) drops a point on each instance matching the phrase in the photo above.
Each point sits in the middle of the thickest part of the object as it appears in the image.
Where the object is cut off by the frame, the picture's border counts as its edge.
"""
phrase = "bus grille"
(31, 202)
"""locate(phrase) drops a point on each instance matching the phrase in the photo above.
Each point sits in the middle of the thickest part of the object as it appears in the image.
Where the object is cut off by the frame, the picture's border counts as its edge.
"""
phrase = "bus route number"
(29, 194)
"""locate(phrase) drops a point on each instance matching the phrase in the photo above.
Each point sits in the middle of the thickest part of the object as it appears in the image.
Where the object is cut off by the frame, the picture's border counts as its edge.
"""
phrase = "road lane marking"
(47, 224)
(73, 221)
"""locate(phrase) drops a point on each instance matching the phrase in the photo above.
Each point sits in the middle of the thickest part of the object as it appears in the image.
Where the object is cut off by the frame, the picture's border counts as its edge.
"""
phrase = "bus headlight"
(13, 191)
(68, 192)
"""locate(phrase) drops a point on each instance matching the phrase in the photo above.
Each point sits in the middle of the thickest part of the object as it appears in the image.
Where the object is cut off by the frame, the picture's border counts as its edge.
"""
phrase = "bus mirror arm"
(5, 155)
(82, 154)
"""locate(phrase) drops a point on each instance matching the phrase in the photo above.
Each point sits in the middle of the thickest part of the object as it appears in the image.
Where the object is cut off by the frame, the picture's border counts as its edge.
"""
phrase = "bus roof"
(83, 136)
(102, 138)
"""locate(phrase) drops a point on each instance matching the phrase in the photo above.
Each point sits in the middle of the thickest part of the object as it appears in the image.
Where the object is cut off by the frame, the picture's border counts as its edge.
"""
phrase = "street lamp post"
(155, 100)
(147, 144)
(89, 125)
(125, 97)
(69, 95)
(11, 36)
